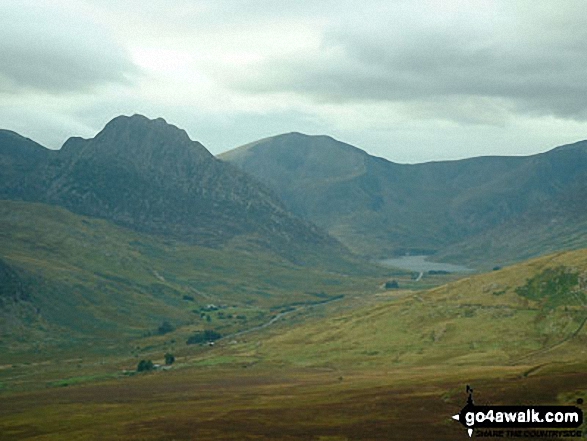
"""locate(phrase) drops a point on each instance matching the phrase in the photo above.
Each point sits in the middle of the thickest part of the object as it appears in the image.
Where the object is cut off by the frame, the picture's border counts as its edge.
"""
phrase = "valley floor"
(389, 365)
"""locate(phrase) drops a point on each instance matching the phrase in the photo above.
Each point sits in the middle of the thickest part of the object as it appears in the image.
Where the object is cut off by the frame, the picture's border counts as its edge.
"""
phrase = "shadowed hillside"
(148, 176)
(379, 208)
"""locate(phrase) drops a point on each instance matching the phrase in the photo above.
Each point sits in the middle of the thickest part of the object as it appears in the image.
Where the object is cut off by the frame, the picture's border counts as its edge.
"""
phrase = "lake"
(420, 264)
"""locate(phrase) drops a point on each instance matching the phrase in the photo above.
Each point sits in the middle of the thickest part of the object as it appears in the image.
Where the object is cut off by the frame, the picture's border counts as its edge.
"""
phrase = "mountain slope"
(338, 186)
(68, 280)
(149, 176)
(380, 208)
(20, 162)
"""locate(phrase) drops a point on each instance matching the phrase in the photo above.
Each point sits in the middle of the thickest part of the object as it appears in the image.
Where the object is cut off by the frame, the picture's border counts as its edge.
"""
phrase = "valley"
(255, 297)
(389, 365)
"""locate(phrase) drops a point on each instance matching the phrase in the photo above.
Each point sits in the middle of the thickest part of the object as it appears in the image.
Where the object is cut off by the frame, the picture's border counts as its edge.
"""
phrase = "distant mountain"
(379, 208)
(149, 176)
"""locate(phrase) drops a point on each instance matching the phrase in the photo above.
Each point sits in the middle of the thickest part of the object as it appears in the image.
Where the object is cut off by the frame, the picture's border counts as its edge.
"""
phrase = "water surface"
(420, 264)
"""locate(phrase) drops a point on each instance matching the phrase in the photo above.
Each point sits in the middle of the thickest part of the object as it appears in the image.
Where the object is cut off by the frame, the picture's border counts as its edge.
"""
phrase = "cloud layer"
(410, 80)
(56, 50)
(525, 59)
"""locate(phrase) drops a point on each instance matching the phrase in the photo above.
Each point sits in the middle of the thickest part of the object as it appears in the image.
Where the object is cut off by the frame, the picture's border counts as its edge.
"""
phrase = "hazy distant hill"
(379, 208)
(149, 176)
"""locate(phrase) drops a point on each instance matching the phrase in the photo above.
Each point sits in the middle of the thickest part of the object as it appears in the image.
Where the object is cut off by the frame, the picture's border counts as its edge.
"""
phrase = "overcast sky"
(411, 81)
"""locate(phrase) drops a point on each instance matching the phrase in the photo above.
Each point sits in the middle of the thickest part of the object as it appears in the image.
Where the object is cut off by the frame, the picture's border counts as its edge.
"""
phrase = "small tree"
(391, 284)
(145, 365)
(169, 359)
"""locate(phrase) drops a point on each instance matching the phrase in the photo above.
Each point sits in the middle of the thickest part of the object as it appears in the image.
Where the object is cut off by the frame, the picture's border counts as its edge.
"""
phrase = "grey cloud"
(534, 63)
(50, 49)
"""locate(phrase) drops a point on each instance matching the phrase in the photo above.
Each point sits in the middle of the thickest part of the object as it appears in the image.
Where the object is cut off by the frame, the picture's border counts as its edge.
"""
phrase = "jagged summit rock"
(138, 138)
(149, 175)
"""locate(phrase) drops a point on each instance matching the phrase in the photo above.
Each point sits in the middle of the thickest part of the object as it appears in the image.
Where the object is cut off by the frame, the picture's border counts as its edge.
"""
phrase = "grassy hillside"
(73, 281)
(535, 311)
(518, 241)
(277, 404)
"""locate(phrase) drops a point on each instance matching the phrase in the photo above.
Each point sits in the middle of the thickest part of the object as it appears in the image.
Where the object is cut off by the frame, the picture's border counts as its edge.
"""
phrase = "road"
(281, 315)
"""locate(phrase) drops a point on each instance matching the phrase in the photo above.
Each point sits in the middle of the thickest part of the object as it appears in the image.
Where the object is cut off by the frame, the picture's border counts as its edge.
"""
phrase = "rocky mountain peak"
(139, 139)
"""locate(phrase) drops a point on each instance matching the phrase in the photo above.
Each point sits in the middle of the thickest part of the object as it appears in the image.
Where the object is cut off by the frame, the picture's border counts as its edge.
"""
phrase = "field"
(271, 403)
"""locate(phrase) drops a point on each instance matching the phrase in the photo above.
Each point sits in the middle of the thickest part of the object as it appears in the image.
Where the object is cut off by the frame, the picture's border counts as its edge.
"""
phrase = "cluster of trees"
(147, 365)
(438, 272)
(169, 359)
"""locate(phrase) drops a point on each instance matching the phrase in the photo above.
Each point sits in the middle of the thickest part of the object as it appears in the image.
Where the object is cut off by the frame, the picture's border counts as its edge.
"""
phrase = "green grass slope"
(71, 281)
(517, 241)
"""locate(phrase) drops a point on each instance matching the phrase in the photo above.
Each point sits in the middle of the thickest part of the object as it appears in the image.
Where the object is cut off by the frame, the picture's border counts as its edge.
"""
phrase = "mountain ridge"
(388, 208)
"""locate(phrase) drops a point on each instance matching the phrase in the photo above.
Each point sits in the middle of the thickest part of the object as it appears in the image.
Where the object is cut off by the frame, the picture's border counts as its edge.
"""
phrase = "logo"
(485, 420)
